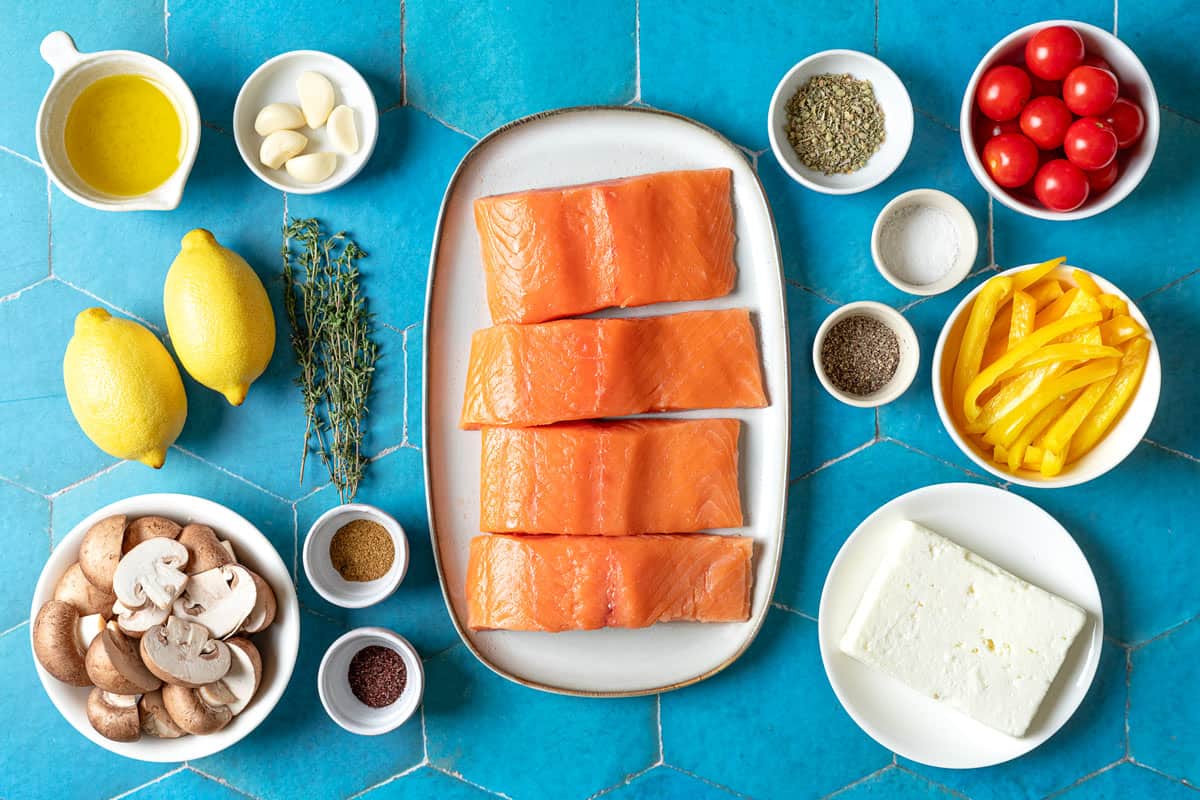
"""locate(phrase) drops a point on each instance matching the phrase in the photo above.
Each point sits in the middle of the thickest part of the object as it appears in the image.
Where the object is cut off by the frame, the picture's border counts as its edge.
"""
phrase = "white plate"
(279, 643)
(1007, 530)
(574, 146)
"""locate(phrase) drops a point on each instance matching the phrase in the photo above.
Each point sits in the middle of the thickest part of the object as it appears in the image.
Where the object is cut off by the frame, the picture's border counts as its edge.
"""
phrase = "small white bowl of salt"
(924, 242)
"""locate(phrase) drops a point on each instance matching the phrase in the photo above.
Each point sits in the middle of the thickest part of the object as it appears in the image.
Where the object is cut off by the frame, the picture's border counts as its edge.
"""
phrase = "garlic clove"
(316, 97)
(312, 167)
(342, 131)
(278, 117)
(279, 146)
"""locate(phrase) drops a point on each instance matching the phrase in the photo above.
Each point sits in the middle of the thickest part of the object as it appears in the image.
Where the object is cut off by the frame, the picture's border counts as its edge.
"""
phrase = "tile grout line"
(1170, 285)
(1164, 634)
(832, 461)
(705, 780)
(16, 627)
(991, 236)
(231, 474)
(813, 292)
(628, 779)
(1172, 450)
(445, 124)
(1116, 9)
(295, 546)
(403, 53)
(859, 781)
(941, 460)
(150, 782)
(637, 51)
(1084, 779)
(875, 41)
(1128, 695)
(219, 781)
(790, 610)
(927, 779)
(86, 479)
(166, 30)
(387, 780)
(404, 408)
(1179, 113)
(21, 291)
(458, 776)
(49, 227)
(1158, 771)
(113, 306)
(935, 119)
(21, 156)
(658, 720)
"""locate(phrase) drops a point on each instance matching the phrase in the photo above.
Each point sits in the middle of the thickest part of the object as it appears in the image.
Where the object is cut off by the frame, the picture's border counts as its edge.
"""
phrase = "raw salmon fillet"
(560, 583)
(582, 368)
(611, 478)
(550, 253)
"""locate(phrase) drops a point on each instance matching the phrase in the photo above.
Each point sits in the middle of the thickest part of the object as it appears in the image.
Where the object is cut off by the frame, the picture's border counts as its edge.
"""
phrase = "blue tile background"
(445, 73)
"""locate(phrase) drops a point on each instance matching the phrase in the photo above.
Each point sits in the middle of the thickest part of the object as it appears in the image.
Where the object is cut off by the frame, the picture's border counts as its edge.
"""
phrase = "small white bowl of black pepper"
(866, 354)
(371, 681)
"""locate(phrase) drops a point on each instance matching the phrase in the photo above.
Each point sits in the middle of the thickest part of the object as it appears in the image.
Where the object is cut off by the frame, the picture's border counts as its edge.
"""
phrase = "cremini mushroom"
(227, 546)
(74, 588)
(144, 528)
(113, 664)
(136, 621)
(90, 627)
(183, 653)
(114, 716)
(220, 599)
(151, 573)
(189, 711)
(239, 685)
(101, 550)
(57, 644)
(263, 613)
(204, 549)
(156, 721)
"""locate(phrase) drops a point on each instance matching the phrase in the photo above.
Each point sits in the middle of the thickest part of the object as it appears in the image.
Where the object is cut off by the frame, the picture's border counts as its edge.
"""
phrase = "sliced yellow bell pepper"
(970, 353)
(1118, 395)
(1120, 329)
(1056, 441)
(1022, 350)
(1043, 420)
(1046, 291)
(1085, 281)
(1115, 304)
(1061, 351)
(1008, 428)
(1026, 278)
(1058, 309)
(1032, 460)
(1024, 309)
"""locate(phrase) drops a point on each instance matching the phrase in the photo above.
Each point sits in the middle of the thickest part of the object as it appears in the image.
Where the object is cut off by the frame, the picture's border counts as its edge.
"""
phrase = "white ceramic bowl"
(74, 72)
(1111, 450)
(1135, 84)
(328, 582)
(343, 707)
(278, 644)
(910, 353)
(893, 99)
(275, 82)
(964, 226)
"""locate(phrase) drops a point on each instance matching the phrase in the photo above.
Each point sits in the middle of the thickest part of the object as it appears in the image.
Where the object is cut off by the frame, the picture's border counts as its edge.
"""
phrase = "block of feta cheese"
(955, 627)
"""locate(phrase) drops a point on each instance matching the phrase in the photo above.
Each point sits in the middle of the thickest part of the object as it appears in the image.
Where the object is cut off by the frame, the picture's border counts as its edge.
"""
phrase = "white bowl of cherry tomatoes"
(1060, 120)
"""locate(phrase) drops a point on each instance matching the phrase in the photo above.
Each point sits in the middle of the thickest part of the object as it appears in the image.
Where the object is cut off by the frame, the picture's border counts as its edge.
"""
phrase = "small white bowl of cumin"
(364, 570)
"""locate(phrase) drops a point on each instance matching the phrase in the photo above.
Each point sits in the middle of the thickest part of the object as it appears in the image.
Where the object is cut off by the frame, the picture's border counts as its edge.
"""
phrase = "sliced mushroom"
(263, 613)
(227, 546)
(57, 644)
(204, 549)
(114, 716)
(189, 711)
(183, 653)
(220, 599)
(239, 685)
(136, 621)
(156, 721)
(90, 627)
(113, 664)
(74, 588)
(101, 550)
(144, 528)
(151, 573)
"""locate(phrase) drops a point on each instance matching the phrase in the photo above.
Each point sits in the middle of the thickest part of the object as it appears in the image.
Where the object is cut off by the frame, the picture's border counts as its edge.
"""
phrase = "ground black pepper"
(377, 675)
(860, 354)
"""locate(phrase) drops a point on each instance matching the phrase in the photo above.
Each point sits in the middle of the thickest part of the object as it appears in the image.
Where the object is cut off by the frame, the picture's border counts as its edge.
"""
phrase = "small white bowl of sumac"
(1060, 120)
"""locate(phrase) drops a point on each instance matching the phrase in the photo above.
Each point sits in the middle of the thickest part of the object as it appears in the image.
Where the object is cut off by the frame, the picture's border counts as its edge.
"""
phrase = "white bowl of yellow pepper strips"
(1046, 375)
(840, 122)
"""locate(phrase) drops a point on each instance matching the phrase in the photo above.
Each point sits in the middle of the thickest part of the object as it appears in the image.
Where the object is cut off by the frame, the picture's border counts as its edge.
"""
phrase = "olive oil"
(124, 135)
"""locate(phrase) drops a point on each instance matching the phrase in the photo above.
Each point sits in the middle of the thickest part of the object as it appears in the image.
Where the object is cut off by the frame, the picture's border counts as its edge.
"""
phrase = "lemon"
(123, 387)
(218, 315)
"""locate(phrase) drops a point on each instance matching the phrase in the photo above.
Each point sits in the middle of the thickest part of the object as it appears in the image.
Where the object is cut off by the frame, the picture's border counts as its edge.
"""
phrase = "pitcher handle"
(59, 51)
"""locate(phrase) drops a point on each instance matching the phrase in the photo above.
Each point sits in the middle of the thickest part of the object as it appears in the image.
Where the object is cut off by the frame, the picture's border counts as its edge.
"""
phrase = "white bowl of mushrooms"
(165, 627)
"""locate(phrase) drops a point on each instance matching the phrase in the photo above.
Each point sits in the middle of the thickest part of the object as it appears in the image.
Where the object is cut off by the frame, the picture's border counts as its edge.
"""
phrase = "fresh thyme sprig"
(331, 337)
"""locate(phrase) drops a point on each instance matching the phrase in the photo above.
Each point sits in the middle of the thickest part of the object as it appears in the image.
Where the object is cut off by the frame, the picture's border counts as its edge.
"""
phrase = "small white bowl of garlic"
(305, 122)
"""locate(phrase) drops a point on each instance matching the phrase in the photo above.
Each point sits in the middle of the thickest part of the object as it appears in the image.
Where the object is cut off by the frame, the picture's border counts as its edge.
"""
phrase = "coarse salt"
(919, 244)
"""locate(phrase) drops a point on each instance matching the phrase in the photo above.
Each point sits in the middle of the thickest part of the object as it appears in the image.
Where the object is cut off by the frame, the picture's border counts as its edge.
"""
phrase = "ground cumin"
(362, 550)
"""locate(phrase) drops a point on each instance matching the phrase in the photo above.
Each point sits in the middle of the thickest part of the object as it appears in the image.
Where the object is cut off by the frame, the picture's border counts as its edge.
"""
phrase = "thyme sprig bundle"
(331, 336)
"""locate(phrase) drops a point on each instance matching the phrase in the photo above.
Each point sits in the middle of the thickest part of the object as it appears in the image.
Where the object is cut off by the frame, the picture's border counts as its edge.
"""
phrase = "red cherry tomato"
(1043, 88)
(1093, 60)
(1090, 143)
(1011, 159)
(1003, 92)
(1089, 91)
(1100, 180)
(1053, 52)
(985, 129)
(1127, 120)
(1061, 186)
(1045, 120)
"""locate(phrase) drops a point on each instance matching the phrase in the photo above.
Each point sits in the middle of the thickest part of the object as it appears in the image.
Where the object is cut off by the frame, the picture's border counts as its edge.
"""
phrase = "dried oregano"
(834, 123)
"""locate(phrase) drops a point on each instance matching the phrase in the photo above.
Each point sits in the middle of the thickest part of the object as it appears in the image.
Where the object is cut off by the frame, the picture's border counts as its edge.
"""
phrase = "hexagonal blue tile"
(477, 65)
(827, 242)
(1161, 34)
(24, 213)
(299, 751)
(33, 402)
(735, 55)
(1128, 780)
(391, 209)
(38, 746)
(826, 508)
(1136, 245)
(1162, 730)
(1092, 738)
(396, 484)
(424, 783)
(896, 783)
(215, 48)
(667, 783)
(753, 739)
(27, 76)
(521, 742)
(1148, 501)
(1169, 313)
(189, 784)
(936, 77)
(414, 420)
(27, 544)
